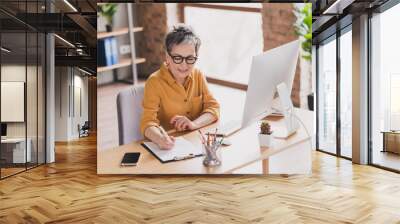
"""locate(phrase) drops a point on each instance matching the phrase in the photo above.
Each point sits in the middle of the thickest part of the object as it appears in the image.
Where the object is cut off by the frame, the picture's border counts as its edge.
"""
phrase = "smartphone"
(130, 159)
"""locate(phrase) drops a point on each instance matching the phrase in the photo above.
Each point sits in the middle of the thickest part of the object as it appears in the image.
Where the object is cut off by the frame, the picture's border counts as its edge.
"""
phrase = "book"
(108, 51)
(114, 50)
(101, 53)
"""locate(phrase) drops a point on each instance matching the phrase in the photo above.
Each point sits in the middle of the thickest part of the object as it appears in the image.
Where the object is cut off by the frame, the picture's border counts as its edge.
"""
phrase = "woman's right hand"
(166, 142)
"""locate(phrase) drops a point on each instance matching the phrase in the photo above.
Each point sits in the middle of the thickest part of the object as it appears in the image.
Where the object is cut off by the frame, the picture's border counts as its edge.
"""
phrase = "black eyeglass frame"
(177, 59)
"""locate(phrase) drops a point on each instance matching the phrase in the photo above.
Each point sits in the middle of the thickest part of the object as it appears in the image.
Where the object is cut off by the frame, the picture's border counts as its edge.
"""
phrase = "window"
(229, 40)
(346, 93)
(327, 96)
(385, 89)
(22, 62)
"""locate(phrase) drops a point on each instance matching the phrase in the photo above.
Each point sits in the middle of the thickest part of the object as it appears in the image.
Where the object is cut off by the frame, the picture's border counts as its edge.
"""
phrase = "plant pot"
(310, 99)
(108, 28)
(265, 140)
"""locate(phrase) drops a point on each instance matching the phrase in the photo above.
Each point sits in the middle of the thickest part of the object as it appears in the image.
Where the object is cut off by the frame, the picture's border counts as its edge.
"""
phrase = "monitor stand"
(283, 132)
(291, 124)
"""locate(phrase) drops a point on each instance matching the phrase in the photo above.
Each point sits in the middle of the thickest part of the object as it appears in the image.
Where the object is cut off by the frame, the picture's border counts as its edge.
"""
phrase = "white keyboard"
(229, 127)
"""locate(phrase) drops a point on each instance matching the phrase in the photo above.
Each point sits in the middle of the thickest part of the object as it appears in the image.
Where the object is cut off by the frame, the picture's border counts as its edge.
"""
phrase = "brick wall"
(277, 22)
(150, 42)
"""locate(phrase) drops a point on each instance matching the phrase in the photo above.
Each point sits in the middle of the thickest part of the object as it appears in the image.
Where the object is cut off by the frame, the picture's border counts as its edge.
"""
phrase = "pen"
(163, 132)
(215, 135)
(184, 157)
(220, 142)
(202, 137)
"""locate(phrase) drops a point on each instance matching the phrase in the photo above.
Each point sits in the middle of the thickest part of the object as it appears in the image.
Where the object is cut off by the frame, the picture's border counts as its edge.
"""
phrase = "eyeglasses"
(177, 59)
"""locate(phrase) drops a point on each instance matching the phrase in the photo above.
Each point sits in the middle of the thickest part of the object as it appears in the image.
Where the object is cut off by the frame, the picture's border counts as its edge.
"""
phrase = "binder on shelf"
(101, 53)
(182, 150)
(114, 51)
(108, 52)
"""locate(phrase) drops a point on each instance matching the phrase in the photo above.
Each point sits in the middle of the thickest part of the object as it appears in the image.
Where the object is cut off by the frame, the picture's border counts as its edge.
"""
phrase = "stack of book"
(107, 51)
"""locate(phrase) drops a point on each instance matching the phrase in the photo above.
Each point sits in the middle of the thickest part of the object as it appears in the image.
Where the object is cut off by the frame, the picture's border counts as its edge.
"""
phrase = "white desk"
(290, 156)
(18, 149)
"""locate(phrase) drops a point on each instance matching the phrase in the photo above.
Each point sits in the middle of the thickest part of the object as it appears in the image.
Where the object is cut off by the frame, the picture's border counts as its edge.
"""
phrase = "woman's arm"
(204, 120)
(149, 123)
(182, 123)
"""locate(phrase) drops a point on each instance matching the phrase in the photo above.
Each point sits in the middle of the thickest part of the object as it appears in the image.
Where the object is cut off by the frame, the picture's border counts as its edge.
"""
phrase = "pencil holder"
(212, 156)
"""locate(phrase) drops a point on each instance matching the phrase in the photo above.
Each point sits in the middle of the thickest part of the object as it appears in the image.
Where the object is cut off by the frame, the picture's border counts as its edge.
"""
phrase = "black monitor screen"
(3, 129)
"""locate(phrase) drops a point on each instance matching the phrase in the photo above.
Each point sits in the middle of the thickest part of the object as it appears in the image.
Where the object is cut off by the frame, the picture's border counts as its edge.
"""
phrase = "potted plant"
(107, 11)
(265, 136)
(303, 29)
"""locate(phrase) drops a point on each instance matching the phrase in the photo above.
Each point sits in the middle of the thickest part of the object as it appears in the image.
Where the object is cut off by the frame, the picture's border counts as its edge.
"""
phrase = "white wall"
(62, 81)
(17, 73)
(69, 85)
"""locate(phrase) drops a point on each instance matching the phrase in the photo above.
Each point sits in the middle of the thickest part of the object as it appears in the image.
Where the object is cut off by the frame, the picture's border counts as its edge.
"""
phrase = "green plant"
(107, 11)
(303, 28)
(265, 128)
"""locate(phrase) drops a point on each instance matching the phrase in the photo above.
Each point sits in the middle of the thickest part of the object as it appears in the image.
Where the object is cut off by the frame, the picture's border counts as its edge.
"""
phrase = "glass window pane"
(41, 99)
(327, 97)
(13, 87)
(346, 94)
(229, 40)
(385, 114)
(31, 99)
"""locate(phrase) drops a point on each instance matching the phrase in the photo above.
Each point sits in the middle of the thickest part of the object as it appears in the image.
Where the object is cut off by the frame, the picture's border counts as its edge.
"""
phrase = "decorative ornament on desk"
(265, 135)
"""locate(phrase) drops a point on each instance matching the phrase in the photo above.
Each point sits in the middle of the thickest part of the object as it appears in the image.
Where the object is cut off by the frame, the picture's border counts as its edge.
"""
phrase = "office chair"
(84, 129)
(129, 109)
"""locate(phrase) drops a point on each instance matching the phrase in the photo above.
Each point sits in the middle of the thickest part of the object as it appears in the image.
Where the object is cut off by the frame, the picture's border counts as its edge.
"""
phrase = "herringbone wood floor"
(69, 191)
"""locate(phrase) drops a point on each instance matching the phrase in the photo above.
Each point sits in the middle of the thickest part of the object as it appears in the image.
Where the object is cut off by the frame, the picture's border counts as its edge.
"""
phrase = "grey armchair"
(129, 109)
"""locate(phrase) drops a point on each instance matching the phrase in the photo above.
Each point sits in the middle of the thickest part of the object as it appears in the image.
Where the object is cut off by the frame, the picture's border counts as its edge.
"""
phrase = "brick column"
(150, 43)
(277, 24)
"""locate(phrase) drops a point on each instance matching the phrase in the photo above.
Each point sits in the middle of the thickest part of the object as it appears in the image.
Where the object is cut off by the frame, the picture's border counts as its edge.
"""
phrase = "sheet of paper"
(182, 148)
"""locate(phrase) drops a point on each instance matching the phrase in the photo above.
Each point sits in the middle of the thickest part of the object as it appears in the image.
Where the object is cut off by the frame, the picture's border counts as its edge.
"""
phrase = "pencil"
(201, 134)
(215, 136)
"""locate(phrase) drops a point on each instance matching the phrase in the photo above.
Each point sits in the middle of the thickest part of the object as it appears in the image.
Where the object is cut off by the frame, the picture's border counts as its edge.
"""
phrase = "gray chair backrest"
(129, 109)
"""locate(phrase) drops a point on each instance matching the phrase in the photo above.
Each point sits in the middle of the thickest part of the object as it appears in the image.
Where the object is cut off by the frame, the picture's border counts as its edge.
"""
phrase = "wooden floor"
(387, 159)
(70, 191)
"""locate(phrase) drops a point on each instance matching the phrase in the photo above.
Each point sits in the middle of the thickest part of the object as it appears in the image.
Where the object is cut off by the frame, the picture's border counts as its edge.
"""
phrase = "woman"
(176, 96)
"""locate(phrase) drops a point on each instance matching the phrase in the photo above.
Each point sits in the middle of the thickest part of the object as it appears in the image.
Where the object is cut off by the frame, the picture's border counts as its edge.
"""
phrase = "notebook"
(183, 149)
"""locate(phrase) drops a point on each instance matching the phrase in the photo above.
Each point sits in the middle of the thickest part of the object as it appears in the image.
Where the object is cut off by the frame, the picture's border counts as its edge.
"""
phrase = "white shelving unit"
(133, 61)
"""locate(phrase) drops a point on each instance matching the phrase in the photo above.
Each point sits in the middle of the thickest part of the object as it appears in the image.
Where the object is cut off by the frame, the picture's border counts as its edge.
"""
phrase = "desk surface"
(13, 140)
(244, 151)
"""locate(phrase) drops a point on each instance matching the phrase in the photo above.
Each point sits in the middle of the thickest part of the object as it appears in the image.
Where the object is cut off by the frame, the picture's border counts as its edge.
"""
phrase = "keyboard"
(228, 128)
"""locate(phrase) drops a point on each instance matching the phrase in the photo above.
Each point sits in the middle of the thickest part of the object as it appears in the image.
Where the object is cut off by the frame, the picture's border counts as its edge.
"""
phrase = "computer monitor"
(3, 129)
(268, 70)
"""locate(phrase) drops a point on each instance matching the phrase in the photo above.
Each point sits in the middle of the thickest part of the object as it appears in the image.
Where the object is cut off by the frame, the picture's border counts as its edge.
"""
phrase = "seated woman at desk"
(177, 95)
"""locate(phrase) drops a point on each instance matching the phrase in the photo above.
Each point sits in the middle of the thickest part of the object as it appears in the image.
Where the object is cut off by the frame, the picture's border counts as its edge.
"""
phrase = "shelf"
(117, 32)
(123, 63)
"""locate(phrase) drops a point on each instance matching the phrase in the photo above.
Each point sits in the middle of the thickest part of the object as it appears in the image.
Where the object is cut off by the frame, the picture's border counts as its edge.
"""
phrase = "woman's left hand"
(182, 123)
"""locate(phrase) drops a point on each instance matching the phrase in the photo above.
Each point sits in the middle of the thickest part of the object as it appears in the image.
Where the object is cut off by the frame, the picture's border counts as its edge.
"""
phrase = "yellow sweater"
(165, 98)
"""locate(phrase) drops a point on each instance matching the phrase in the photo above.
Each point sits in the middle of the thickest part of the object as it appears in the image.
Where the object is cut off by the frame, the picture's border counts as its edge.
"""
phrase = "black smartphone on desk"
(130, 159)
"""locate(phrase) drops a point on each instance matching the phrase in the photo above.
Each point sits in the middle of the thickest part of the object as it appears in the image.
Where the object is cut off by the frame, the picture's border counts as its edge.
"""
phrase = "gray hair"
(181, 33)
